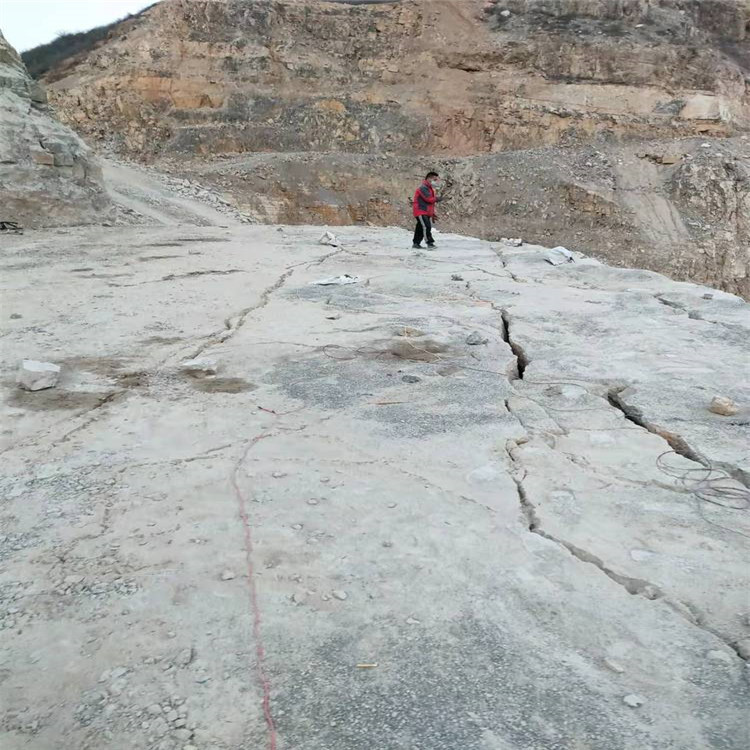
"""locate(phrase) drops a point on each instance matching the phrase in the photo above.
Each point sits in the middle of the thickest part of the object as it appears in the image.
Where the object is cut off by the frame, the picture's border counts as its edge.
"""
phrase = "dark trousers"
(424, 229)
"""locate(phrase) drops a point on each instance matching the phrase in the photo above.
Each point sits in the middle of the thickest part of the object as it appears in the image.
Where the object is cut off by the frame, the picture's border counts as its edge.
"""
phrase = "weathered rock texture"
(47, 173)
(520, 535)
(467, 84)
(221, 76)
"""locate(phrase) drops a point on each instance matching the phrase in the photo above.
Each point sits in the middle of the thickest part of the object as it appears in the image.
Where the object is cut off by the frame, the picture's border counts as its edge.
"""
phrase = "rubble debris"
(11, 226)
(512, 242)
(37, 376)
(337, 280)
(723, 406)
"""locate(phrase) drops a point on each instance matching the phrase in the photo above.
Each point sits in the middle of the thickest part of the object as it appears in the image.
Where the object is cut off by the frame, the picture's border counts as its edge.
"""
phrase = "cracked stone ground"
(364, 533)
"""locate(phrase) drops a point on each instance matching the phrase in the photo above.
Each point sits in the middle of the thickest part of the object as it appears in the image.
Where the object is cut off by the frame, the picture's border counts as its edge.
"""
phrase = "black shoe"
(431, 245)
(416, 247)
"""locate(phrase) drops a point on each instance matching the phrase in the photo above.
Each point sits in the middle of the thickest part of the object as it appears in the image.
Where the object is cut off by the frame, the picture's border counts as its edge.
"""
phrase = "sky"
(27, 23)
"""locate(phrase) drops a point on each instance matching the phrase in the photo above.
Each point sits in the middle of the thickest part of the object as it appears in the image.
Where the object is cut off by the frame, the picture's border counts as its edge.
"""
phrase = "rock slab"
(37, 376)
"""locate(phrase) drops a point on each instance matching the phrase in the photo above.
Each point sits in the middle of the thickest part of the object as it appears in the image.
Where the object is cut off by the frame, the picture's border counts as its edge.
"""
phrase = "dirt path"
(146, 195)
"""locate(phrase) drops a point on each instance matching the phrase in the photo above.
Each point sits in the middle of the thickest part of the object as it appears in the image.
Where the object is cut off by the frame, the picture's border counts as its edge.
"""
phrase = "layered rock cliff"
(455, 76)
(48, 175)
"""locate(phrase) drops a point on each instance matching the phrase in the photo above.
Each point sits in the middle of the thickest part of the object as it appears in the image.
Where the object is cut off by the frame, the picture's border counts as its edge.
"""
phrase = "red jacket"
(424, 200)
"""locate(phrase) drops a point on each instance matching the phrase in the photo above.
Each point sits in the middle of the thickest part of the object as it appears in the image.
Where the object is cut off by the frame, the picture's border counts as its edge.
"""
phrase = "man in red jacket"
(424, 211)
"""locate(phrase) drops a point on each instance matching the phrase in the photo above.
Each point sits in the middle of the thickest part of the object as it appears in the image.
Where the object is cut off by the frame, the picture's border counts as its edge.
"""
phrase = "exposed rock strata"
(48, 175)
(218, 76)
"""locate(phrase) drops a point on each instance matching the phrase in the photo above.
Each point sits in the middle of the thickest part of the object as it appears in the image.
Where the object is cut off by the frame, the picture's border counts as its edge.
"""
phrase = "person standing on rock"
(423, 204)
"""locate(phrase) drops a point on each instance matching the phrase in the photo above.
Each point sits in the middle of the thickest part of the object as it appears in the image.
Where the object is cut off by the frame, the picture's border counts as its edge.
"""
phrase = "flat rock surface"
(531, 545)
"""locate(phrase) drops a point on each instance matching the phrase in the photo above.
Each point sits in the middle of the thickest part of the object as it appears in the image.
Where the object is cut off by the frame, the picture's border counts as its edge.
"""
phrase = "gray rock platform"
(363, 532)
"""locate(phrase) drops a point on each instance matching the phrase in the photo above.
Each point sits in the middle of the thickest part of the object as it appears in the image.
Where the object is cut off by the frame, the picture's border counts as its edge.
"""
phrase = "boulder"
(36, 376)
(723, 406)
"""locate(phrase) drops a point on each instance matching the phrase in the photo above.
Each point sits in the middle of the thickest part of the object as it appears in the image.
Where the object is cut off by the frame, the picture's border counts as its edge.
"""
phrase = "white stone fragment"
(723, 406)
(36, 376)
(329, 238)
(613, 665)
(633, 700)
(336, 280)
(200, 366)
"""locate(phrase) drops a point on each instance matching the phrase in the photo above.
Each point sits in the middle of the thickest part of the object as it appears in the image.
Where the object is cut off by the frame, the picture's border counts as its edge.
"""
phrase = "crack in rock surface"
(211, 602)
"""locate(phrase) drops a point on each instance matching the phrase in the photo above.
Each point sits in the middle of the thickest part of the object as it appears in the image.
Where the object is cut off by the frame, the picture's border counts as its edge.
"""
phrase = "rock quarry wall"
(574, 121)
(48, 176)
(453, 76)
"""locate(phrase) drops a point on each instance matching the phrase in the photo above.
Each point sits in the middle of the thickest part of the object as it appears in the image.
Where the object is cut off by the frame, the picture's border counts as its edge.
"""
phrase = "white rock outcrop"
(48, 175)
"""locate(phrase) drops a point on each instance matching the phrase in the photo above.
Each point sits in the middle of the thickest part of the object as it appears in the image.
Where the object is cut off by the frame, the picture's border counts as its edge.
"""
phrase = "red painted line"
(260, 651)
